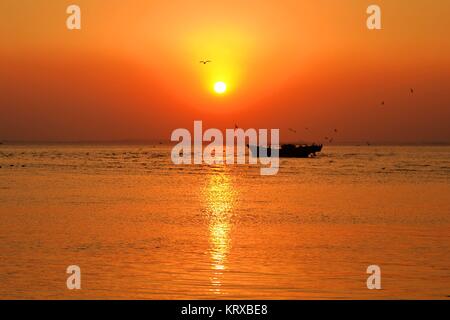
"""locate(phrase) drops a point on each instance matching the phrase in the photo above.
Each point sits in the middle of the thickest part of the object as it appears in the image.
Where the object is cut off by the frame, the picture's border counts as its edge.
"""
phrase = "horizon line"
(165, 141)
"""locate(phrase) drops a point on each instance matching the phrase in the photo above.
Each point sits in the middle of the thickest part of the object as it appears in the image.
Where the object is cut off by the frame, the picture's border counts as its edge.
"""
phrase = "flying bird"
(205, 61)
(292, 130)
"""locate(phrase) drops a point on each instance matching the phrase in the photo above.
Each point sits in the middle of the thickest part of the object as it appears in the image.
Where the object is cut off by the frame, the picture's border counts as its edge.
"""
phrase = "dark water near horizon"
(142, 227)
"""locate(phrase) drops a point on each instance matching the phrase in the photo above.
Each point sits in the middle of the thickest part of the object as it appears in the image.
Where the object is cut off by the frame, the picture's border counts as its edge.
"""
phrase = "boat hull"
(287, 151)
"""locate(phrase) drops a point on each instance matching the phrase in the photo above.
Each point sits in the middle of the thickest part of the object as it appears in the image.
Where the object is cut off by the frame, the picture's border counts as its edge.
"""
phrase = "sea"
(140, 227)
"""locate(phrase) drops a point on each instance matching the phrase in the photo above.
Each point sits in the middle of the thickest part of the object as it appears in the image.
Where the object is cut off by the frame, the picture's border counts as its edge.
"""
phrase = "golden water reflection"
(220, 198)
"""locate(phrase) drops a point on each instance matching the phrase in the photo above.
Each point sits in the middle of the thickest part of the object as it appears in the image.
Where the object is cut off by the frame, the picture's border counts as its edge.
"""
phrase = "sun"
(220, 87)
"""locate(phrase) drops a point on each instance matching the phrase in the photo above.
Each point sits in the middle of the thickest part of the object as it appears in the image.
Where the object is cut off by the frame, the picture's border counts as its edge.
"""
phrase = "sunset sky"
(133, 71)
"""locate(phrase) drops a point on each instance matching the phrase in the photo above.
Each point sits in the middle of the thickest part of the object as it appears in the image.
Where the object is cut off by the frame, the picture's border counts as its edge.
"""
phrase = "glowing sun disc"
(220, 87)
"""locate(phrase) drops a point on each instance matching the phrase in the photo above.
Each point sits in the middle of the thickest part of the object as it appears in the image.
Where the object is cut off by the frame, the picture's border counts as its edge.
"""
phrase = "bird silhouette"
(412, 90)
(205, 61)
(292, 130)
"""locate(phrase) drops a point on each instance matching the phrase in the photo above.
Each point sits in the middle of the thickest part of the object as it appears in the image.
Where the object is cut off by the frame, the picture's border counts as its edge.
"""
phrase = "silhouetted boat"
(287, 151)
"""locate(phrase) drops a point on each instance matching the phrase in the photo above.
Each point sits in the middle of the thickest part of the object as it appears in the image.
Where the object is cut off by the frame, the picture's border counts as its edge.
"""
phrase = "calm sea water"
(140, 227)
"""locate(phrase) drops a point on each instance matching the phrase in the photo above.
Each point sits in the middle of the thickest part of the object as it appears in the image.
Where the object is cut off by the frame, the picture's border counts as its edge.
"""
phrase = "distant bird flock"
(329, 139)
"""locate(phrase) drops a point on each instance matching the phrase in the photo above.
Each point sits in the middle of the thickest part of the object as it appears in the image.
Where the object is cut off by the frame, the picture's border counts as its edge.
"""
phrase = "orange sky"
(133, 70)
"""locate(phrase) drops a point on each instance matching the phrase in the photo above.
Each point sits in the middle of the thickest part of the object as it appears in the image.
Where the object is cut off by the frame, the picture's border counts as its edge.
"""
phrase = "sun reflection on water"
(220, 198)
